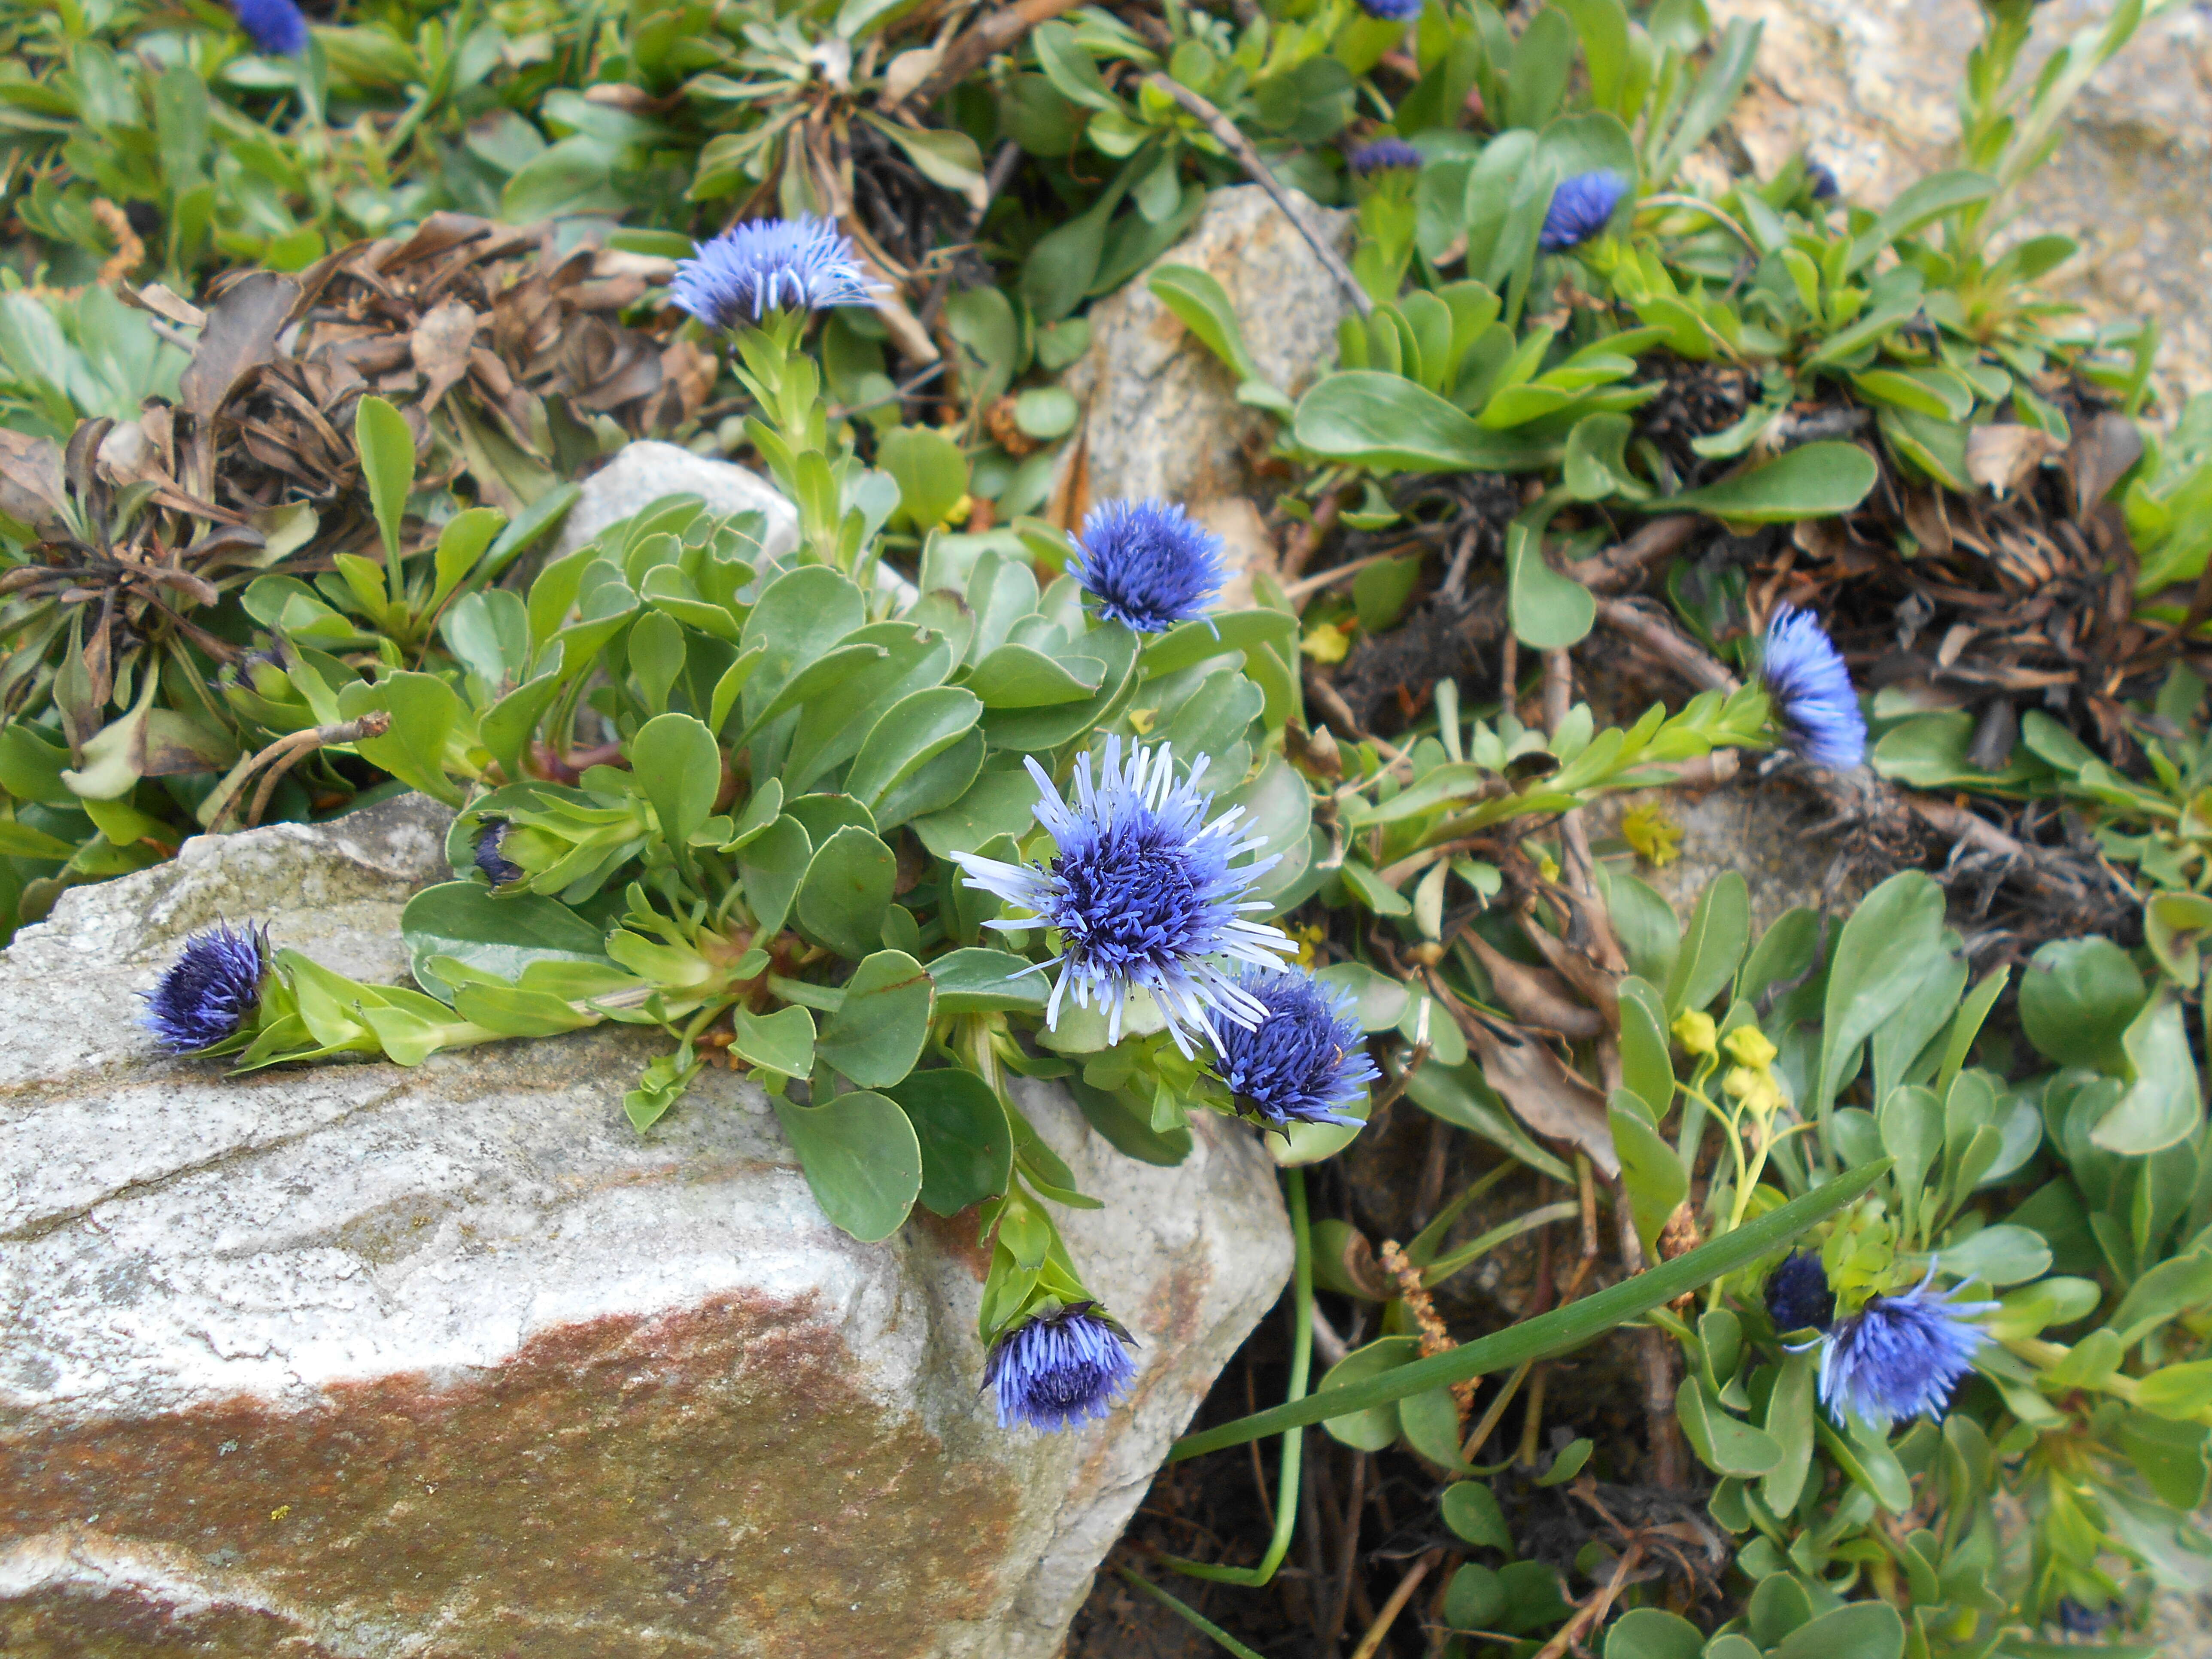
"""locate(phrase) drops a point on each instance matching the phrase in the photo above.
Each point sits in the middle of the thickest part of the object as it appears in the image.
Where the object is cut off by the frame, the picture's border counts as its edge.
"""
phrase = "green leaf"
(1023, 676)
(1470, 1509)
(680, 771)
(2077, 999)
(932, 473)
(1653, 1633)
(1383, 420)
(1815, 481)
(2163, 1104)
(913, 731)
(1549, 612)
(1789, 1410)
(1723, 1444)
(1719, 929)
(1858, 1629)
(862, 1158)
(1651, 1171)
(1877, 961)
(498, 935)
(782, 1042)
(978, 980)
(967, 1152)
(1371, 1428)
(424, 711)
(847, 892)
(1563, 1329)
(876, 1033)
(1198, 298)
(387, 466)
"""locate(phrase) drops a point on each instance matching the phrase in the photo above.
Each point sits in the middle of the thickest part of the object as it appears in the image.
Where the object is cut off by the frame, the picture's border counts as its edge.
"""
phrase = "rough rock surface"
(1871, 88)
(366, 1363)
(643, 472)
(1160, 412)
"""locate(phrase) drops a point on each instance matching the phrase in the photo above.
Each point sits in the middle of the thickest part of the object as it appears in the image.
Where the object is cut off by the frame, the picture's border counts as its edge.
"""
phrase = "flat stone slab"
(364, 1362)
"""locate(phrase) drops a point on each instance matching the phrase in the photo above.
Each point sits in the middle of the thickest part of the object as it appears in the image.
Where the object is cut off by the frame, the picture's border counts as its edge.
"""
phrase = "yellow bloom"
(1694, 1031)
(1326, 643)
(1656, 838)
(1749, 1045)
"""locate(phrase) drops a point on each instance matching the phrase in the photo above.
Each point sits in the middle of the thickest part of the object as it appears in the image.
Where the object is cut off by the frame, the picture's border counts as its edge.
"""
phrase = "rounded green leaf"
(1377, 1427)
(931, 471)
(847, 891)
(1046, 412)
(1653, 1633)
(966, 1150)
(2076, 999)
(681, 771)
(861, 1157)
(1470, 1508)
(782, 1042)
(1813, 481)
(915, 729)
(1476, 1598)
(500, 935)
(876, 1033)
(979, 979)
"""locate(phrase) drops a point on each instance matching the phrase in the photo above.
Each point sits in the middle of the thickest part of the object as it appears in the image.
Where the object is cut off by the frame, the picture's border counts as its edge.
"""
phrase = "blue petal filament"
(1148, 565)
(1142, 895)
(1060, 1369)
(801, 264)
(1814, 699)
(1304, 1061)
(211, 990)
(1900, 1356)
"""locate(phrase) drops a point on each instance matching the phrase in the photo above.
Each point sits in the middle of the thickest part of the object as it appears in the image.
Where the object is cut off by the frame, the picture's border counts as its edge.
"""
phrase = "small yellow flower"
(280, 1511)
(1141, 720)
(1749, 1045)
(960, 510)
(1326, 643)
(1694, 1031)
(1656, 838)
(1308, 938)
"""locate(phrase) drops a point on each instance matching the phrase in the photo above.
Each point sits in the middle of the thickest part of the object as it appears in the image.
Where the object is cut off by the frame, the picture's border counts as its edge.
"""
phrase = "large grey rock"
(366, 1363)
(1160, 412)
(1871, 87)
(643, 472)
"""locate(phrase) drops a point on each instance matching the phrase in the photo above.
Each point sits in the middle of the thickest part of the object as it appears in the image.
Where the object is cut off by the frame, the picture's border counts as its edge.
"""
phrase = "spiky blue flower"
(1392, 11)
(1059, 1367)
(1384, 153)
(1304, 1060)
(1148, 565)
(1142, 895)
(1797, 1294)
(802, 265)
(1900, 1356)
(275, 27)
(211, 991)
(1814, 701)
(497, 869)
(1580, 208)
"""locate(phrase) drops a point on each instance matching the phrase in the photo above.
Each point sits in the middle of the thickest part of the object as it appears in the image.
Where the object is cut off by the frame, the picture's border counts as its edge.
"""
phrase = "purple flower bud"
(1301, 1063)
(1384, 154)
(1392, 11)
(211, 990)
(275, 27)
(1797, 1294)
(1060, 1368)
(498, 869)
(1580, 207)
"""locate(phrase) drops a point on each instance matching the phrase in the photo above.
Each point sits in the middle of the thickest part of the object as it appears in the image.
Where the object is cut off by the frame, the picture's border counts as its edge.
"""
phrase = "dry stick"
(994, 34)
(1348, 1562)
(1307, 537)
(1617, 567)
(1002, 168)
(285, 753)
(1595, 1609)
(1224, 131)
(1310, 1539)
(1371, 1644)
(1311, 584)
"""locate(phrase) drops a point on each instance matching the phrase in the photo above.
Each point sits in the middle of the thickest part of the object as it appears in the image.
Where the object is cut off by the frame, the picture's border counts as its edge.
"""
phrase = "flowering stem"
(1286, 1502)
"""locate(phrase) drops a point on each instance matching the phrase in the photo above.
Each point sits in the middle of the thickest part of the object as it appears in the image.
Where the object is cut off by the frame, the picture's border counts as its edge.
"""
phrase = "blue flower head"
(1797, 1294)
(1148, 565)
(804, 264)
(1141, 893)
(211, 991)
(1392, 11)
(1304, 1060)
(1384, 153)
(275, 27)
(1060, 1367)
(1581, 208)
(1821, 181)
(1899, 1356)
(497, 869)
(1814, 701)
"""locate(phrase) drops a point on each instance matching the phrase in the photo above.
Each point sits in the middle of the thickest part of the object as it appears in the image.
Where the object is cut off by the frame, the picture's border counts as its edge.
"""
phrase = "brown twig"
(1593, 1610)
(1371, 1644)
(1668, 643)
(281, 756)
(994, 35)
(1002, 168)
(1347, 1566)
(1225, 133)
(1307, 537)
(1617, 567)
(1307, 587)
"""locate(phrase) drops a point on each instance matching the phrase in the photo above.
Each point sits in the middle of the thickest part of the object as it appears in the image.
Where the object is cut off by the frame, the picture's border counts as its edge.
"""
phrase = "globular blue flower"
(211, 991)
(1900, 1356)
(1805, 675)
(1060, 1368)
(1392, 11)
(1142, 895)
(1821, 181)
(489, 839)
(1384, 153)
(804, 264)
(1580, 207)
(1797, 1294)
(275, 27)
(2076, 1619)
(1301, 1063)
(1148, 565)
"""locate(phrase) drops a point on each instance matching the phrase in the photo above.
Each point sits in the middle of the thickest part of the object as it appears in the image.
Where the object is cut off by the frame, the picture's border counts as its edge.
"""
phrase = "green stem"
(1286, 1498)
(1198, 1620)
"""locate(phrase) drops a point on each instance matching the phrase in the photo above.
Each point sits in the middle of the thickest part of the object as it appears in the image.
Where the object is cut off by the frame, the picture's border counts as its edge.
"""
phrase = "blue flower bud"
(1060, 1367)
(1148, 565)
(1392, 11)
(1303, 1061)
(1814, 701)
(1797, 1294)
(1384, 153)
(1581, 208)
(275, 27)
(1899, 1356)
(211, 990)
(489, 839)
